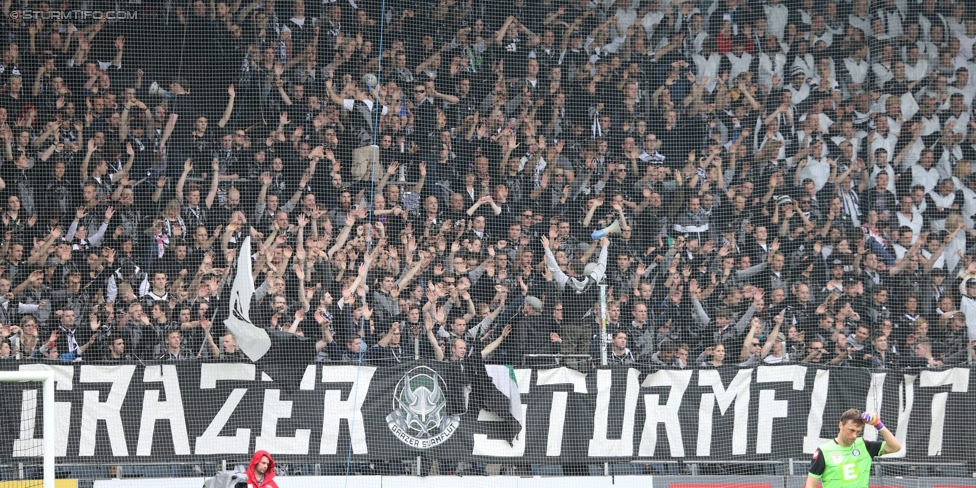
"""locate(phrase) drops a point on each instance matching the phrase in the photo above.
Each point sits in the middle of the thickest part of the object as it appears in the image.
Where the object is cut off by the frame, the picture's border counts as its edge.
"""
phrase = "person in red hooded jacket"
(260, 473)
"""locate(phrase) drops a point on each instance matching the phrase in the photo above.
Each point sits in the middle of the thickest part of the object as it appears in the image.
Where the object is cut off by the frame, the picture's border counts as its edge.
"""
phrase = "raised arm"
(778, 322)
(387, 338)
(500, 34)
(214, 180)
(158, 192)
(187, 167)
(490, 348)
(443, 96)
(83, 170)
(482, 328)
(336, 99)
(432, 337)
(168, 130)
(214, 349)
(124, 172)
(343, 234)
(8, 146)
(557, 274)
(229, 109)
(419, 187)
(916, 134)
(746, 351)
(390, 171)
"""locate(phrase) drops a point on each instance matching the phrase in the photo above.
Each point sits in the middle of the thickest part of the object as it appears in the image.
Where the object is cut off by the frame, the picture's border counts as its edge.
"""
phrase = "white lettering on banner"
(110, 410)
(818, 404)
(412, 441)
(959, 379)
(873, 403)
(171, 410)
(738, 392)
(211, 442)
(483, 446)
(275, 409)
(770, 407)
(28, 445)
(667, 414)
(906, 401)
(557, 409)
(94, 409)
(336, 410)
(600, 445)
(308, 379)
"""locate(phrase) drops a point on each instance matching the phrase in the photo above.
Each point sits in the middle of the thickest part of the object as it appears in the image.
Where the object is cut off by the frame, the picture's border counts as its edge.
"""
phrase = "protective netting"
(564, 237)
(22, 424)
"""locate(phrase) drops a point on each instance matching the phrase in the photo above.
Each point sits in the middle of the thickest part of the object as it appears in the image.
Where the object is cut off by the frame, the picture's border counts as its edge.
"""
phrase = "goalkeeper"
(845, 462)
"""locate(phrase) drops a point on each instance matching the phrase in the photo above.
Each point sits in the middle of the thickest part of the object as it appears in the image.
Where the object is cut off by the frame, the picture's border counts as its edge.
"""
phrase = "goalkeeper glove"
(872, 419)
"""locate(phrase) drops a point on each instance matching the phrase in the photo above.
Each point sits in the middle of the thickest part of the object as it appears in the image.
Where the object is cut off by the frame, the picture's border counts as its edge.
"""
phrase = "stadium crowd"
(792, 180)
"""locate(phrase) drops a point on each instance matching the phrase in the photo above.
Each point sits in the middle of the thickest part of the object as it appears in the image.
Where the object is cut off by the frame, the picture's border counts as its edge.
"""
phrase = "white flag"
(253, 340)
(503, 377)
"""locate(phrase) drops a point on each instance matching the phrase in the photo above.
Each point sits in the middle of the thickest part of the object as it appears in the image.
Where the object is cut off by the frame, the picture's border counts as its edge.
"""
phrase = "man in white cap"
(579, 294)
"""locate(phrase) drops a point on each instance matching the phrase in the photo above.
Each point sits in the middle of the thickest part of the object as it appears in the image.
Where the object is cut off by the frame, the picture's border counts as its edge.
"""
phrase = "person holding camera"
(815, 353)
(841, 354)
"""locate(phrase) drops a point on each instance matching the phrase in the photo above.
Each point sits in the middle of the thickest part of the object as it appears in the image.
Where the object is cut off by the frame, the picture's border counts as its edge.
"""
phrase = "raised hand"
(758, 296)
(872, 419)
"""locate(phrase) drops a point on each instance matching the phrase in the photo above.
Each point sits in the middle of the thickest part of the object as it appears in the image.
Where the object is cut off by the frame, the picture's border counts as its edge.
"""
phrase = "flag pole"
(603, 324)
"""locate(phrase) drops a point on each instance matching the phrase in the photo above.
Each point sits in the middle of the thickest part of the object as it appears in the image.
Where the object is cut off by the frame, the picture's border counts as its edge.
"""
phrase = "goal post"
(47, 443)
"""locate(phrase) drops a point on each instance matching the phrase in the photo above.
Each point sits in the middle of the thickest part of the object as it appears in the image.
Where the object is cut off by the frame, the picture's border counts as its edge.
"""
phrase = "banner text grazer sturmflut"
(191, 411)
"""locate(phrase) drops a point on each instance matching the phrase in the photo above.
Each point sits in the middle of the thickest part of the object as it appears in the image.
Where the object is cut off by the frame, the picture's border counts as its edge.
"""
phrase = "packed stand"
(792, 181)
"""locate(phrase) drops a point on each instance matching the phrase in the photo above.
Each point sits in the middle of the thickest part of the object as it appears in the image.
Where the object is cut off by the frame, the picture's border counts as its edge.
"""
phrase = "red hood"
(252, 478)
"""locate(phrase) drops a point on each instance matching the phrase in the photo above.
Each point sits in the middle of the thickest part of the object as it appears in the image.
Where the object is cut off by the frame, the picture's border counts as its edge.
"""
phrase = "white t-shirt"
(816, 170)
(350, 104)
(928, 178)
(299, 22)
(775, 360)
(915, 223)
(966, 46)
(777, 16)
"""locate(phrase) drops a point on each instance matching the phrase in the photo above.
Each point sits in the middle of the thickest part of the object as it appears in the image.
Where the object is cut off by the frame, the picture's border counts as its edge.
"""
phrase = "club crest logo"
(856, 453)
(419, 417)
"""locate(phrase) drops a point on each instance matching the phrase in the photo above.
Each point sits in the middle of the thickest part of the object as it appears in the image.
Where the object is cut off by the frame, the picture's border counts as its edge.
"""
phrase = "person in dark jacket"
(880, 356)
(469, 369)
(922, 358)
